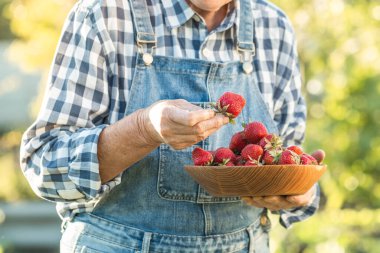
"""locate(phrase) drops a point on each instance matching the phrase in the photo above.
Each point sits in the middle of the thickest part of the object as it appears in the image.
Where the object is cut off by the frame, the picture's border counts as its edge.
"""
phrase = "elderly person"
(126, 105)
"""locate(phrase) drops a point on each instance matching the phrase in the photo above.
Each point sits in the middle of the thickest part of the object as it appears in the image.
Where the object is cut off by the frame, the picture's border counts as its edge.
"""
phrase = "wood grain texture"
(256, 180)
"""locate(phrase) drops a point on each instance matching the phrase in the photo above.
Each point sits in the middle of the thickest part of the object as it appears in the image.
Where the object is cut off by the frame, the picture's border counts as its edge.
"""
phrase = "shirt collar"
(178, 12)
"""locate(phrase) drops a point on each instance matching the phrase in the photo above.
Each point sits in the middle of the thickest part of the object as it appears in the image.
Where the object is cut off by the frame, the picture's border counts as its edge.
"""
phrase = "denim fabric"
(158, 207)
(94, 234)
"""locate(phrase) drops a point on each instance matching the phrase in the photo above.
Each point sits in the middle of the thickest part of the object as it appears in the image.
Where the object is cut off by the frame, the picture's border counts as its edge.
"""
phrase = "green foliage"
(37, 24)
(5, 33)
(340, 58)
(13, 184)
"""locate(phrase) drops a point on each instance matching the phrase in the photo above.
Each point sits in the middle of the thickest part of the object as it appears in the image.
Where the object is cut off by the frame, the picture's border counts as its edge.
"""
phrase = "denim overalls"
(158, 207)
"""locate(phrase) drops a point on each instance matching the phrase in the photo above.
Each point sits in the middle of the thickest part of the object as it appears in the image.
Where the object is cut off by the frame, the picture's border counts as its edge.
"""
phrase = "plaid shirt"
(89, 83)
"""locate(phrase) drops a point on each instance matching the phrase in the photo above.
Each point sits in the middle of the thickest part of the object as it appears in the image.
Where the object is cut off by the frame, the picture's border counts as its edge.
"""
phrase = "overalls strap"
(145, 37)
(245, 44)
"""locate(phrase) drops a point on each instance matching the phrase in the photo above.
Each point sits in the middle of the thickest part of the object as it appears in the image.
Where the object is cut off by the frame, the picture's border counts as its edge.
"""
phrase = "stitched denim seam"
(109, 241)
(254, 225)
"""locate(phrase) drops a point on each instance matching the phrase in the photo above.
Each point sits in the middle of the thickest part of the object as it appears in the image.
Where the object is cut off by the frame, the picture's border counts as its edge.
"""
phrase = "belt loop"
(146, 242)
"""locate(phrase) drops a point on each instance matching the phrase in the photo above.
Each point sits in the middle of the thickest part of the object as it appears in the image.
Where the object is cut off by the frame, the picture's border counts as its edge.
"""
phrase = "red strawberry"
(201, 157)
(229, 164)
(252, 152)
(271, 157)
(289, 157)
(238, 142)
(230, 104)
(224, 155)
(252, 163)
(311, 158)
(295, 149)
(255, 131)
(270, 141)
(305, 160)
(239, 160)
(319, 155)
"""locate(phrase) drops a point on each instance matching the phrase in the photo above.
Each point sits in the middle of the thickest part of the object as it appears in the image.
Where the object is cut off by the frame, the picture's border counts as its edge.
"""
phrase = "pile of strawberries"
(253, 146)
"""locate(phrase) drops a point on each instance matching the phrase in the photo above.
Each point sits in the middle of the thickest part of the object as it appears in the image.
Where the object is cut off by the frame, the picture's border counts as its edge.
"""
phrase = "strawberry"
(238, 142)
(289, 157)
(270, 141)
(295, 149)
(271, 157)
(311, 158)
(319, 155)
(230, 104)
(224, 155)
(201, 157)
(229, 163)
(254, 131)
(239, 160)
(252, 152)
(252, 163)
(304, 159)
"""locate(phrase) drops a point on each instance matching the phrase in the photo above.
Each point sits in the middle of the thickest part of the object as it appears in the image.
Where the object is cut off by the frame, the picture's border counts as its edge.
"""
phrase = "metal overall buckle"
(246, 56)
(147, 55)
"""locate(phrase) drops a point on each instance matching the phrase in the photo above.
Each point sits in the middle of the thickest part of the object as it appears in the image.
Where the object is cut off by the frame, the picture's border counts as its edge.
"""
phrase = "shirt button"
(206, 53)
(196, 18)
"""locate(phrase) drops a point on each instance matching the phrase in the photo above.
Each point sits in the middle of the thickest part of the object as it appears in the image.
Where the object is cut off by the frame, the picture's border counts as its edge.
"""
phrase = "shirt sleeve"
(288, 217)
(59, 151)
(290, 113)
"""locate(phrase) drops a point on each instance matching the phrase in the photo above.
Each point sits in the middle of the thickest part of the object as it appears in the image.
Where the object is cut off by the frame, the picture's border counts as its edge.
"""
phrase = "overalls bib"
(158, 207)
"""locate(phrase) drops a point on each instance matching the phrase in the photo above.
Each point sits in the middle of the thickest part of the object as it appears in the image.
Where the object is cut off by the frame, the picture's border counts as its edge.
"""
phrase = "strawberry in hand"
(230, 104)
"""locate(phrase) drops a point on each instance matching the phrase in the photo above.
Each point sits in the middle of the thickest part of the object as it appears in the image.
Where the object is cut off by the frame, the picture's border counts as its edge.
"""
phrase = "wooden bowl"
(264, 180)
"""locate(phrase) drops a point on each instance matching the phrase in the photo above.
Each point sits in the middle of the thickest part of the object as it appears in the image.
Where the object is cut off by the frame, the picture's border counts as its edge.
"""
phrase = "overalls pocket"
(174, 183)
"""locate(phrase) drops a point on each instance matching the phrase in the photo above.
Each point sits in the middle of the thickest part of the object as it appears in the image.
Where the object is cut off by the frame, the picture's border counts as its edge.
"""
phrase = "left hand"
(276, 203)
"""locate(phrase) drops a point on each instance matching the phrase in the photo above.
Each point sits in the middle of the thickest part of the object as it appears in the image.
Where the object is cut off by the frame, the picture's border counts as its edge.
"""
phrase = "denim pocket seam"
(85, 233)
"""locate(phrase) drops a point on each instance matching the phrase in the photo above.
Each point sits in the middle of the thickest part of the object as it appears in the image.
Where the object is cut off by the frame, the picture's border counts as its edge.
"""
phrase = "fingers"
(298, 200)
(203, 127)
(188, 118)
(182, 103)
(273, 203)
(179, 136)
(182, 124)
(302, 200)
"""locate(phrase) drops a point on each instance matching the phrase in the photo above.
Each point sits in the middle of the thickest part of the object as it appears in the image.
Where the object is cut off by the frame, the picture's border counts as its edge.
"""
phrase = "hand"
(276, 203)
(179, 123)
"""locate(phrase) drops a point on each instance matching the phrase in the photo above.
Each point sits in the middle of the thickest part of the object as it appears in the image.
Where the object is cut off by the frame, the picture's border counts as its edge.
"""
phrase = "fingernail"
(257, 198)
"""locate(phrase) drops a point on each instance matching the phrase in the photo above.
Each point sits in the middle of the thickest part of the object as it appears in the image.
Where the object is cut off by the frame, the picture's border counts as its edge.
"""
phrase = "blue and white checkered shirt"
(89, 83)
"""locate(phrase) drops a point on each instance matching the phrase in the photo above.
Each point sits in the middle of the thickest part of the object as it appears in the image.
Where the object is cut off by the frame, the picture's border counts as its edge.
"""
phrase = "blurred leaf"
(339, 46)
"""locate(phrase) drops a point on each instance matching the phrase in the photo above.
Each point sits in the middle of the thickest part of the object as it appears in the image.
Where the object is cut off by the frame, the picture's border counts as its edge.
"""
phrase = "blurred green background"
(339, 48)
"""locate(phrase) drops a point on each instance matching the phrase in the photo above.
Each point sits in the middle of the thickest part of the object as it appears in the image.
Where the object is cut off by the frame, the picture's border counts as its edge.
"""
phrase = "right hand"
(179, 123)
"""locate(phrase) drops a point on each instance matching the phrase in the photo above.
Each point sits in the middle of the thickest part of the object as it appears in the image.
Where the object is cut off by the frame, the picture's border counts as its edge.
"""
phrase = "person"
(127, 102)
